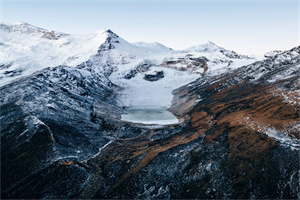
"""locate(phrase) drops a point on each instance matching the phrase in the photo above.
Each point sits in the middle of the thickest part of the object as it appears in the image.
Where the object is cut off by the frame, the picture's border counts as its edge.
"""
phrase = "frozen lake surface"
(149, 115)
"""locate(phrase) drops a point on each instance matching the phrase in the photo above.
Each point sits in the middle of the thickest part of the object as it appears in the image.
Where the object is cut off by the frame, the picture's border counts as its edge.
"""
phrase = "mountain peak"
(21, 26)
(155, 45)
(110, 33)
(211, 43)
(211, 47)
(111, 40)
(206, 47)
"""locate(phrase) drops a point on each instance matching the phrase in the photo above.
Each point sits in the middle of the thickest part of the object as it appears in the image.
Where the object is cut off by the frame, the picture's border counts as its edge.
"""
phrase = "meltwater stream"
(149, 115)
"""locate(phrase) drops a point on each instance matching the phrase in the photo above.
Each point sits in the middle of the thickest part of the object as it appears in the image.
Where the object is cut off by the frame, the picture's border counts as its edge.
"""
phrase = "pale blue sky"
(249, 27)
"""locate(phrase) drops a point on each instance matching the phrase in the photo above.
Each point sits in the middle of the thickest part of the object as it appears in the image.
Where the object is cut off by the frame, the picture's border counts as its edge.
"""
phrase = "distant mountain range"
(27, 49)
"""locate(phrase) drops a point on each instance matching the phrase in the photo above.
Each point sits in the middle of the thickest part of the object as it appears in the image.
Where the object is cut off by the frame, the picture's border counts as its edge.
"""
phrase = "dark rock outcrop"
(155, 76)
(111, 39)
(141, 68)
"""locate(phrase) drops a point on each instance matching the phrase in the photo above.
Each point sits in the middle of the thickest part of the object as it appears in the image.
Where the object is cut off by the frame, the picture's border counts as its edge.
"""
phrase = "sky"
(251, 27)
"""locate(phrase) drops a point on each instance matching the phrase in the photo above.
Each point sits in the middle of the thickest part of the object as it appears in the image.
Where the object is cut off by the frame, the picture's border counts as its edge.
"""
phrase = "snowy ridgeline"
(28, 49)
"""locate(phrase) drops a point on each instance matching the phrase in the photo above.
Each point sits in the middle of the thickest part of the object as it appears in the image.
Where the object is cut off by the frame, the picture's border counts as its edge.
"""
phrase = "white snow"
(207, 47)
(28, 51)
(283, 138)
(272, 53)
(138, 92)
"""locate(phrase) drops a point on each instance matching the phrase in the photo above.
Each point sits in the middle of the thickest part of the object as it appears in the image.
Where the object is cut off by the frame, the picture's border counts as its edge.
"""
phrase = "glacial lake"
(149, 115)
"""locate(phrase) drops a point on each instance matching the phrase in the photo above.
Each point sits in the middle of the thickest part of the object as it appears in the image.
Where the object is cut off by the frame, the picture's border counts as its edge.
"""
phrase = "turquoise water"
(149, 115)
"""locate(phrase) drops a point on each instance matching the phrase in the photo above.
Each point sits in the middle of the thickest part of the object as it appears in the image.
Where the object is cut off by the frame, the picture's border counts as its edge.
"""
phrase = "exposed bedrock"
(157, 75)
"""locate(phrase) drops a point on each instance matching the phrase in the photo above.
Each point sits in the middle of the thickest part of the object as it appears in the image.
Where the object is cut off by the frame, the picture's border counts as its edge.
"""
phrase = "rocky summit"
(66, 131)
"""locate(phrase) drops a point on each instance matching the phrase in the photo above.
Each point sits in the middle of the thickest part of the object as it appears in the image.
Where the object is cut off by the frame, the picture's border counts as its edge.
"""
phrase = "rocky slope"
(62, 134)
(241, 141)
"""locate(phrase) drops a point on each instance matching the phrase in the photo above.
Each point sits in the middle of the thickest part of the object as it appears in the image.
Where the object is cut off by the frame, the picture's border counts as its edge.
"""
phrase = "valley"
(120, 120)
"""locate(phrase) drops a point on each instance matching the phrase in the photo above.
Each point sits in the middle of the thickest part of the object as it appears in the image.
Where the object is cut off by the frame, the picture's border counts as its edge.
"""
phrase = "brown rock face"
(247, 110)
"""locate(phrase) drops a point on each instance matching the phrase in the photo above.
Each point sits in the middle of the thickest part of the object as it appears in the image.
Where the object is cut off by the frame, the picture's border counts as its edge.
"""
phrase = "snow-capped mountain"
(97, 117)
(272, 53)
(211, 47)
(27, 49)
